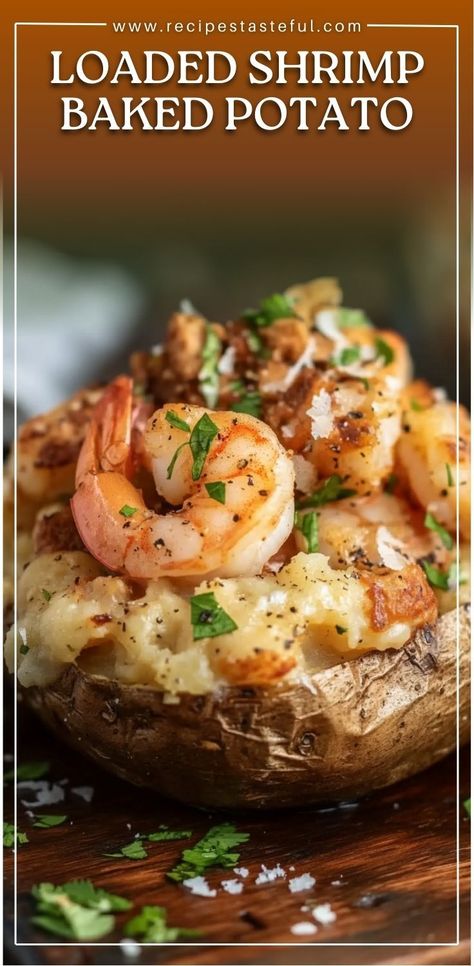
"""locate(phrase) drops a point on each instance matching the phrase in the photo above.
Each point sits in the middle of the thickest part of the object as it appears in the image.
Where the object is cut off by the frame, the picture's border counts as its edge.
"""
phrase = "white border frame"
(223, 945)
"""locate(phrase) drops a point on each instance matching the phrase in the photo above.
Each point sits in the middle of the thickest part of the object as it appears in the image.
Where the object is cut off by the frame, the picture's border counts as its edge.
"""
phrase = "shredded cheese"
(322, 420)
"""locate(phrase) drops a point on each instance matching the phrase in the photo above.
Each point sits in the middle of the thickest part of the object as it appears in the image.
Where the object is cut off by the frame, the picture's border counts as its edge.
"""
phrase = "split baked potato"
(257, 602)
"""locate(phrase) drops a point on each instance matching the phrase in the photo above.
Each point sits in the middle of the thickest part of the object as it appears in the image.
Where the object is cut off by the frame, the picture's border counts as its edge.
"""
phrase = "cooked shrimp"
(235, 513)
(426, 461)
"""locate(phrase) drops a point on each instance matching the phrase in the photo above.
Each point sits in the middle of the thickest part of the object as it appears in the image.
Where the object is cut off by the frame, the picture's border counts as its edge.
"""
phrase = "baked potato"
(252, 603)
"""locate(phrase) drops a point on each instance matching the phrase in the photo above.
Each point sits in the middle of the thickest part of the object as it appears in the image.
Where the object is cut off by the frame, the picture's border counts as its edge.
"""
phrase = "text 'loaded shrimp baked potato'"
(247, 591)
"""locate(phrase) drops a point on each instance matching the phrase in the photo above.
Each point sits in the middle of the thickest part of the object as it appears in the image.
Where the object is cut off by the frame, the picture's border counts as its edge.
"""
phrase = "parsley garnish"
(346, 356)
(134, 850)
(436, 577)
(49, 821)
(416, 406)
(128, 511)
(46, 594)
(307, 524)
(208, 618)
(384, 351)
(272, 308)
(449, 475)
(76, 910)
(341, 630)
(30, 771)
(431, 523)
(209, 373)
(166, 834)
(176, 422)
(331, 489)
(210, 851)
(199, 442)
(351, 318)
(150, 926)
(216, 491)
(255, 344)
(250, 402)
(467, 806)
(9, 835)
(391, 483)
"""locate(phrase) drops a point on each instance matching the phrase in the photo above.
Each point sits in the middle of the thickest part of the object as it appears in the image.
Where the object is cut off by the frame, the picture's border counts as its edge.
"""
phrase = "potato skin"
(351, 729)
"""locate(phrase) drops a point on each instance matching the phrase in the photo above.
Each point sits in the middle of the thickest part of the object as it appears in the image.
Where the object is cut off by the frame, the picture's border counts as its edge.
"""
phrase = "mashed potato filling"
(290, 623)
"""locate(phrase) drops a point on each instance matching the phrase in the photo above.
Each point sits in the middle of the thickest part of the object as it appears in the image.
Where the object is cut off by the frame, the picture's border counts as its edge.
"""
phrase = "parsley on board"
(49, 821)
(208, 617)
(272, 308)
(9, 836)
(150, 926)
(307, 524)
(213, 850)
(431, 523)
(209, 373)
(76, 910)
(169, 835)
(134, 850)
(332, 489)
(216, 491)
(30, 771)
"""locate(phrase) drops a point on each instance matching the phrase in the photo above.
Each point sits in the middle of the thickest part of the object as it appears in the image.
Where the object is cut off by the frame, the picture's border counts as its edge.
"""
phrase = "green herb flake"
(250, 402)
(24, 649)
(176, 422)
(200, 442)
(76, 910)
(9, 835)
(431, 523)
(46, 594)
(208, 618)
(352, 318)
(436, 577)
(467, 806)
(272, 308)
(346, 356)
(134, 850)
(213, 850)
(449, 475)
(332, 489)
(209, 372)
(169, 835)
(384, 351)
(390, 483)
(416, 406)
(307, 524)
(169, 471)
(30, 771)
(341, 630)
(150, 926)
(127, 511)
(49, 821)
(216, 491)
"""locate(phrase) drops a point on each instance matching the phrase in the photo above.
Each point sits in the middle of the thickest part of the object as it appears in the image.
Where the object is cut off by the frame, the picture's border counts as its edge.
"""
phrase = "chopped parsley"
(166, 834)
(176, 422)
(46, 594)
(209, 372)
(200, 439)
(250, 402)
(384, 351)
(436, 577)
(307, 524)
(449, 475)
(467, 806)
(391, 483)
(331, 489)
(216, 491)
(24, 649)
(76, 910)
(256, 344)
(272, 308)
(134, 850)
(351, 318)
(30, 771)
(9, 835)
(49, 821)
(213, 850)
(127, 511)
(341, 630)
(416, 406)
(150, 927)
(431, 523)
(208, 617)
(346, 356)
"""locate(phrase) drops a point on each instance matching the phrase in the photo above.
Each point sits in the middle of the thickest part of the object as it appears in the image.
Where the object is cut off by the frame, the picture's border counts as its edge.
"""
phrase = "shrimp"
(426, 461)
(236, 507)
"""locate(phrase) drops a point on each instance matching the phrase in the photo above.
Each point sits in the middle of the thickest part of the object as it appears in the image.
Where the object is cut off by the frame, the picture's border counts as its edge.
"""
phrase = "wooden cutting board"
(387, 866)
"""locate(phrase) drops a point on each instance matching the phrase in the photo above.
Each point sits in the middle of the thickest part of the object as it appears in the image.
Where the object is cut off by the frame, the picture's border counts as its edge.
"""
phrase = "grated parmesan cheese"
(302, 882)
(305, 359)
(199, 886)
(46, 793)
(84, 791)
(304, 929)
(324, 914)
(242, 872)
(233, 886)
(305, 474)
(226, 364)
(322, 420)
(269, 875)
(326, 322)
(388, 548)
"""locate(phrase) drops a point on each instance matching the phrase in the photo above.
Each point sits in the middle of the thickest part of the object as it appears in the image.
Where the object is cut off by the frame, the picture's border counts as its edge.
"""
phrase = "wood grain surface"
(386, 864)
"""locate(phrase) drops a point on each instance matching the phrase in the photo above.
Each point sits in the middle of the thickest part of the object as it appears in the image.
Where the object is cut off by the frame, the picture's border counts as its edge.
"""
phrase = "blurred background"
(116, 228)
